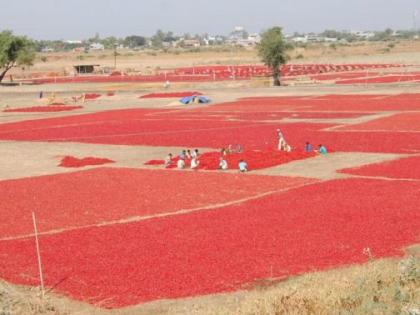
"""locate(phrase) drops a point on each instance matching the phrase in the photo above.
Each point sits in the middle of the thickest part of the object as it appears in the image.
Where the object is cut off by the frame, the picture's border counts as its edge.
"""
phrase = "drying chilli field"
(339, 74)
(118, 233)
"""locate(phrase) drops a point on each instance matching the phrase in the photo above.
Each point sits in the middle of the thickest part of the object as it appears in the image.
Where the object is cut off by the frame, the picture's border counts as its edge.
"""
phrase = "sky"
(80, 19)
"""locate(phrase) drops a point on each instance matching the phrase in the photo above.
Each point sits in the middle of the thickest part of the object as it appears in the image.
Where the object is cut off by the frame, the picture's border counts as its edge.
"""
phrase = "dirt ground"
(147, 62)
(23, 159)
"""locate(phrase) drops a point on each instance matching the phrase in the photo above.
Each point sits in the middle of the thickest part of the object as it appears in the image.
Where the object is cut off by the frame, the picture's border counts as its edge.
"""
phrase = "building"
(47, 50)
(84, 69)
(73, 42)
(313, 38)
(96, 46)
(250, 41)
(362, 34)
(191, 43)
(330, 39)
(299, 39)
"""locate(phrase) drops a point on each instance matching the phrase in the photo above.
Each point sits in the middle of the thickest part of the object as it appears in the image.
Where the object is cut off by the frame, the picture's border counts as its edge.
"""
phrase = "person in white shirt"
(282, 141)
(180, 164)
(194, 163)
(223, 165)
(168, 160)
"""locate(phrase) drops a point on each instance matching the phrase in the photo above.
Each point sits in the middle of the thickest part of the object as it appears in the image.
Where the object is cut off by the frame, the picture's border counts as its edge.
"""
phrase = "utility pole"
(415, 14)
(115, 56)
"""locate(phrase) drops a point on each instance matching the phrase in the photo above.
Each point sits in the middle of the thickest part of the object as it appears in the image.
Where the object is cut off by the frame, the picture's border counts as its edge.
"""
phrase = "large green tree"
(14, 51)
(273, 51)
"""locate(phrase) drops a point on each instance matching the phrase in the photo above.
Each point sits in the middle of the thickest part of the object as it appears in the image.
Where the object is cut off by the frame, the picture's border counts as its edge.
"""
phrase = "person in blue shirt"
(243, 166)
(183, 155)
(308, 147)
(322, 150)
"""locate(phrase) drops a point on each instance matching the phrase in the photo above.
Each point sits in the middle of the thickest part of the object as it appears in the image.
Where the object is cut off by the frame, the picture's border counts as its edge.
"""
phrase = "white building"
(74, 42)
(47, 50)
(96, 46)
(362, 34)
(300, 39)
(255, 37)
(330, 39)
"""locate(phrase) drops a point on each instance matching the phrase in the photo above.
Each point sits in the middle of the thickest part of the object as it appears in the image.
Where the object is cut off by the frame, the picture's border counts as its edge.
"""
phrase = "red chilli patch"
(71, 161)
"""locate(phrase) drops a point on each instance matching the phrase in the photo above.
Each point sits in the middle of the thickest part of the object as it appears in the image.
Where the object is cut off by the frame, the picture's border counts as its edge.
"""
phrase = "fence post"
(41, 276)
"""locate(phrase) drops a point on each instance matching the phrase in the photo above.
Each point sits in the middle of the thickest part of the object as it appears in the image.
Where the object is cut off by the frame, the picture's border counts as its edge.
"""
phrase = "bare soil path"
(326, 167)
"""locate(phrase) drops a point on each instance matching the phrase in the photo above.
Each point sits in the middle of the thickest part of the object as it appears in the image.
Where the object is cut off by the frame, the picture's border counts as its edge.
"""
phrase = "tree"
(158, 38)
(169, 37)
(109, 42)
(384, 36)
(272, 50)
(14, 51)
(134, 41)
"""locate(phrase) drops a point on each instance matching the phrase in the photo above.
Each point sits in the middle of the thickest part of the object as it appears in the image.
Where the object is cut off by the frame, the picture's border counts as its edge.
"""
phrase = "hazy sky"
(77, 19)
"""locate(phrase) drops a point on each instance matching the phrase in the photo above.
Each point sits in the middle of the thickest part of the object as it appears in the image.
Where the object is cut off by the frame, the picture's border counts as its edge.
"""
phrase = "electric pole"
(115, 56)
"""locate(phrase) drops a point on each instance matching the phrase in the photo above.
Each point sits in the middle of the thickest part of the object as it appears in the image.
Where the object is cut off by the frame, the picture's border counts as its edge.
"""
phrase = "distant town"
(239, 37)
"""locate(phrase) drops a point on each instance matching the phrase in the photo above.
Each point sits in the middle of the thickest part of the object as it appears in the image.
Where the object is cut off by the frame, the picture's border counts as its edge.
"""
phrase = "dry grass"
(378, 288)
(18, 301)
(406, 51)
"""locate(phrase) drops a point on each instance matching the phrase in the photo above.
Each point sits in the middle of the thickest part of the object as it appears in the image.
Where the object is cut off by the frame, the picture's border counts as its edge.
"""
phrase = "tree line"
(272, 49)
(20, 51)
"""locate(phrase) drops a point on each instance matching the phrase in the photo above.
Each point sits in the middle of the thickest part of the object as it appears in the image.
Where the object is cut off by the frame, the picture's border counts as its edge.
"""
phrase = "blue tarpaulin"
(195, 98)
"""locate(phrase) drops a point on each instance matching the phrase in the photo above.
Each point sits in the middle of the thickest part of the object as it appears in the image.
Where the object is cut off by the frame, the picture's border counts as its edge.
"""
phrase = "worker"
(308, 147)
(281, 140)
(180, 164)
(195, 153)
(322, 150)
(243, 166)
(194, 163)
(168, 160)
(223, 165)
(183, 155)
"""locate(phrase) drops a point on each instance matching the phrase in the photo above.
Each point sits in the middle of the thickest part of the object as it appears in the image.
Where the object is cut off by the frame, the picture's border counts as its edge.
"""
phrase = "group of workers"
(321, 149)
(193, 155)
(283, 146)
(223, 164)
